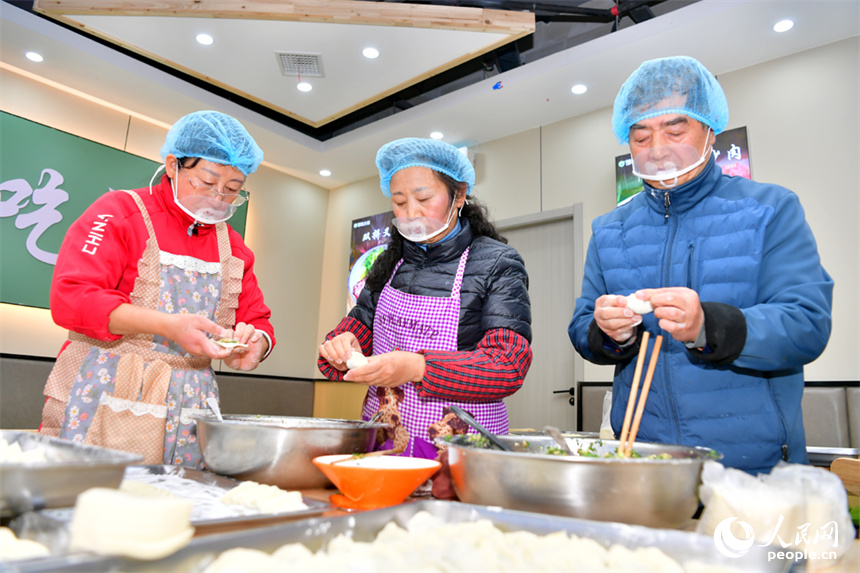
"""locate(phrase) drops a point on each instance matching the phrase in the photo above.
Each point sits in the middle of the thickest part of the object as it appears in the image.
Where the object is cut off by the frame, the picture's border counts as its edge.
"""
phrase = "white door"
(551, 245)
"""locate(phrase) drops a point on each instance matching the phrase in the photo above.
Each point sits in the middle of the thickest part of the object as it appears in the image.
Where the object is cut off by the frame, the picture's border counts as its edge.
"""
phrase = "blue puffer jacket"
(746, 248)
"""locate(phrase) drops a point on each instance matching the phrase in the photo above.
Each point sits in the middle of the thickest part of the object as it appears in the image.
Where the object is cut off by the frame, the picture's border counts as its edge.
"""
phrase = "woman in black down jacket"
(444, 317)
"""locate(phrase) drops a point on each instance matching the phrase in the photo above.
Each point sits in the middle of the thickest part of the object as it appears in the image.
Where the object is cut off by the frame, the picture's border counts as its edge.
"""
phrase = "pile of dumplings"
(430, 544)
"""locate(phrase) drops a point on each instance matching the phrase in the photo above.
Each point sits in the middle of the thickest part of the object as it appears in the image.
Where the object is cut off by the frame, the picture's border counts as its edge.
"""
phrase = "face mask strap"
(684, 171)
(154, 175)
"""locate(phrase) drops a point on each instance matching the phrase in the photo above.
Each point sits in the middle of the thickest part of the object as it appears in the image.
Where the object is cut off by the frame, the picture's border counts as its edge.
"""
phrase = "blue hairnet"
(416, 152)
(653, 90)
(215, 137)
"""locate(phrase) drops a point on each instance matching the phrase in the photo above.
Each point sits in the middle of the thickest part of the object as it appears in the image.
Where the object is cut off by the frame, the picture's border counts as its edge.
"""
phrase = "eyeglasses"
(236, 198)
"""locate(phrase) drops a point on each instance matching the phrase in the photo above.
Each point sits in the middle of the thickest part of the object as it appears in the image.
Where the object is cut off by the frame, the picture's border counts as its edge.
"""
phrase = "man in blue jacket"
(730, 268)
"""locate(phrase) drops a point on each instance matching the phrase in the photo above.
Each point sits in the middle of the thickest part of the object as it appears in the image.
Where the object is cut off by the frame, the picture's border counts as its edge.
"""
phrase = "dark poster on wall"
(47, 179)
(731, 150)
(370, 236)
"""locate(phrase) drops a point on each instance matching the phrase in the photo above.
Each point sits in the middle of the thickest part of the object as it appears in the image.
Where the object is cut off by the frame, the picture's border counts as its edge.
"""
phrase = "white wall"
(801, 114)
(345, 204)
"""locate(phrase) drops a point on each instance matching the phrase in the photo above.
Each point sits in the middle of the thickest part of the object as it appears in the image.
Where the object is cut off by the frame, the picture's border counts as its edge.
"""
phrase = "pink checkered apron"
(413, 323)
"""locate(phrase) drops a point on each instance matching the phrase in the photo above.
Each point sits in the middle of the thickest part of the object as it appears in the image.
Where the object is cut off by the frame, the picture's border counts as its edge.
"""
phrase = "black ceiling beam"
(568, 12)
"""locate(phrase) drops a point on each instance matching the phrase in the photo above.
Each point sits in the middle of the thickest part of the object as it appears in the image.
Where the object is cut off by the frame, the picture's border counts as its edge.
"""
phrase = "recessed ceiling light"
(34, 56)
(304, 87)
(370, 53)
(325, 172)
(205, 39)
(437, 135)
(579, 89)
(783, 25)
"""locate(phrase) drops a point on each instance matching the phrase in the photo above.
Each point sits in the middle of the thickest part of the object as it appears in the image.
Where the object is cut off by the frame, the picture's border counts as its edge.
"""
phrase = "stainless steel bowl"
(69, 469)
(278, 450)
(641, 491)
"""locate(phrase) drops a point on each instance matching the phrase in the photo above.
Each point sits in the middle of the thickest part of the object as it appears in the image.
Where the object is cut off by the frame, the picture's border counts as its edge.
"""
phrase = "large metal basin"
(641, 491)
(278, 450)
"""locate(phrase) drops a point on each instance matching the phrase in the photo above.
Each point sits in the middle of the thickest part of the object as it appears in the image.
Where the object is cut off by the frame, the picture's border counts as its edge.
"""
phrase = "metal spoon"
(213, 405)
(466, 417)
(392, 451)
(559, 439)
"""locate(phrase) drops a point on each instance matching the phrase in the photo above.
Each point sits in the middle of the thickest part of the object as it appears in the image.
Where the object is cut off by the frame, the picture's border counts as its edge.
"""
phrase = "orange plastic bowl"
(374, 482)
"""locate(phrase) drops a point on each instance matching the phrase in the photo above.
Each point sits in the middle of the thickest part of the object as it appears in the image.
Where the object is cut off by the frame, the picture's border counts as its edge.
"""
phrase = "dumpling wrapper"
(14, 549)
(230, 343)
(638, 305)
(356, 360)
(113, 522)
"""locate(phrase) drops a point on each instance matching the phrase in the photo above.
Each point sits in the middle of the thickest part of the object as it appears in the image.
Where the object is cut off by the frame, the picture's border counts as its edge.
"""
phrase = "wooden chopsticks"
(625, 443)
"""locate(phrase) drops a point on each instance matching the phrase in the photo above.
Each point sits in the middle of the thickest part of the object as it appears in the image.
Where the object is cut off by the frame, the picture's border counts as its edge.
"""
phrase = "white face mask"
(668, 162)
(421, 229)
(202, 208)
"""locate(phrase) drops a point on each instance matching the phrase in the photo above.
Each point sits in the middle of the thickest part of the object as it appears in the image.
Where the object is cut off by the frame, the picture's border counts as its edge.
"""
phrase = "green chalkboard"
(47, 179)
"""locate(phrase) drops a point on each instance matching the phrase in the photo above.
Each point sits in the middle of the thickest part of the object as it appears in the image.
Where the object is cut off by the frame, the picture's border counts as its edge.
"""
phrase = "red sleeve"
(92, 275)
(361, 332)
(494, 370)
(252, 308)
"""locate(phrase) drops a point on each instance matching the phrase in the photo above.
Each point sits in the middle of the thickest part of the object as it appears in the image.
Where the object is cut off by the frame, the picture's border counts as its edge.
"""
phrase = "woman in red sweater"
(146, 281)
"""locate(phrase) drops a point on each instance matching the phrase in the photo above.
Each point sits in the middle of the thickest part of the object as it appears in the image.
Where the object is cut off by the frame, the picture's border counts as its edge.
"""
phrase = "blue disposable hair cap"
(215, 137)
(416, 152)
(680, 85)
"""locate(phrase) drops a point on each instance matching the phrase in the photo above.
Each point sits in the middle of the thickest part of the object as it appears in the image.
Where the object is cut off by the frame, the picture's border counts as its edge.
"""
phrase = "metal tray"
(207, 511)
(315, 533)
(823, 457)
(70, 469)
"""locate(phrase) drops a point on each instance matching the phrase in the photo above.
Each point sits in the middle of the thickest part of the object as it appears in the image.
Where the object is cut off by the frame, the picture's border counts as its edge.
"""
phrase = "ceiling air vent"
(300, 64)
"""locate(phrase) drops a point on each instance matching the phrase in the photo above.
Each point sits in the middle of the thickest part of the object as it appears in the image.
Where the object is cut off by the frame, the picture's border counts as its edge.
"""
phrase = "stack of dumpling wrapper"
(113, 522)
(811, 501)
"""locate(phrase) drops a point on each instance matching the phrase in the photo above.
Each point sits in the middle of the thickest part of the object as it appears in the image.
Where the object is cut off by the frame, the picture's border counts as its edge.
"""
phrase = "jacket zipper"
(670, 391)
(691, 249)
(784, 448)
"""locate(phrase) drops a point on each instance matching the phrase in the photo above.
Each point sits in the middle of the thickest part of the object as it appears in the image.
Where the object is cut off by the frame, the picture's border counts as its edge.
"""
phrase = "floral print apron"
(169, 283)
(413, 323)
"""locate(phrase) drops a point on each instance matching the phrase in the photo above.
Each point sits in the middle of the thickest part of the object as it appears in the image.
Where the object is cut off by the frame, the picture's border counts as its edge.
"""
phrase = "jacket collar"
(441, 252)
(686, 196)
(163, 194)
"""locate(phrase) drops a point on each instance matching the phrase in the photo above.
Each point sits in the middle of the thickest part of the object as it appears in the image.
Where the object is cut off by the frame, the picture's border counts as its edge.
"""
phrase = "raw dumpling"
(638, 305)
(356, 360)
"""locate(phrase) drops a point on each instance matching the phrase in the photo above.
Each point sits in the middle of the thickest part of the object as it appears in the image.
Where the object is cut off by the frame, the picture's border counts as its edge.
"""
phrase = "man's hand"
(614, 318)
(678, 309)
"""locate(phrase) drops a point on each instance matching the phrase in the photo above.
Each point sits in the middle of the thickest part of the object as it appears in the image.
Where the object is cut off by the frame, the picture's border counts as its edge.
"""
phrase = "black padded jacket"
(494, 293)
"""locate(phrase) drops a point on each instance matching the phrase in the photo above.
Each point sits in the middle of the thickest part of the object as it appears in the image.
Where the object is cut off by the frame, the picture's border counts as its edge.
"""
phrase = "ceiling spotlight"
(205, 39)
(304, 87)
(437, 135)
(370, 53)
(325, 172)
(783, 26)
(579, 89)
(34, 56)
